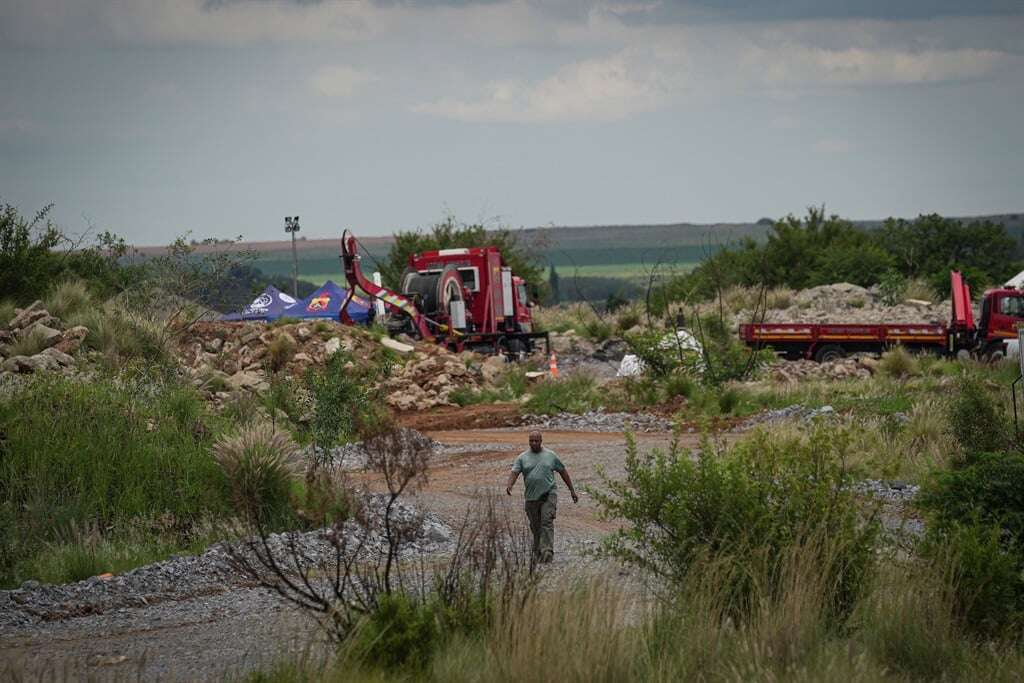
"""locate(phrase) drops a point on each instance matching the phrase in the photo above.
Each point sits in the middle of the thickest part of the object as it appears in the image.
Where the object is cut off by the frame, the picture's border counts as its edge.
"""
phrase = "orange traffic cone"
(553, 365)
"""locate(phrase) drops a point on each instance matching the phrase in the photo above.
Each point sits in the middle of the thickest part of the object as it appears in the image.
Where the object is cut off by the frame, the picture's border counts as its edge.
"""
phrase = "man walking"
(538, 466)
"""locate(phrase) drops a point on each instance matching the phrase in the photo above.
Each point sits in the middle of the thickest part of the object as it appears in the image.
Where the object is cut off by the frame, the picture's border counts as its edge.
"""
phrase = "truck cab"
(1002, 310)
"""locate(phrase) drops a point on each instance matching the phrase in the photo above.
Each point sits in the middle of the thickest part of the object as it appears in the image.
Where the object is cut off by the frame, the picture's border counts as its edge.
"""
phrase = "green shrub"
(744, 507)
(576, 393)
(977, 420)
(344, 408)
(857, 303)
(597, 330)
(728, 400)
(892, 288)
(67, 298)
(986, 572)
(678, 384)
(260, 465)
(898, 363)
(399, 633)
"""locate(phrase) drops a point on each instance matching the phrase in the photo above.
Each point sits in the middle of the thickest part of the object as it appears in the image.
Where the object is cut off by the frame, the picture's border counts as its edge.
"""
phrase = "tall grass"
(7, 307)
(98, 452)
(67, 298)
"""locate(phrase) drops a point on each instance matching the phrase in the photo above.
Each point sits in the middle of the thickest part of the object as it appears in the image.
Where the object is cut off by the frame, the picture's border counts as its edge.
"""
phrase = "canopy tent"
(269, 305)
(326, 302)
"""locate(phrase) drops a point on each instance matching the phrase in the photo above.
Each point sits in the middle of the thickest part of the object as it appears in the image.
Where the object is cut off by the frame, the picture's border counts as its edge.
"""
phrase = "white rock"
(395, 345)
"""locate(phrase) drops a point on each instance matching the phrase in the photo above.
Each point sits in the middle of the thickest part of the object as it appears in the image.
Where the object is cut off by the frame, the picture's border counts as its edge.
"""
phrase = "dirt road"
(239, 628)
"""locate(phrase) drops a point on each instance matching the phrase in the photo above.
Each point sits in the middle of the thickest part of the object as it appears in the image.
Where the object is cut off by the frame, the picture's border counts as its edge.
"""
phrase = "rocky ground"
(195, 618)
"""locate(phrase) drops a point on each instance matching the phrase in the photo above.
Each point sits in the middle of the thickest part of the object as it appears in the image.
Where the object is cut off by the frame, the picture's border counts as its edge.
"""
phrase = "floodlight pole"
(291, 225)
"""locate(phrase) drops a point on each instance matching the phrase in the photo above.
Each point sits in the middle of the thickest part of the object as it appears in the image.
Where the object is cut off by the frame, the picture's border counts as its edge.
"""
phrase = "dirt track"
(202, 637)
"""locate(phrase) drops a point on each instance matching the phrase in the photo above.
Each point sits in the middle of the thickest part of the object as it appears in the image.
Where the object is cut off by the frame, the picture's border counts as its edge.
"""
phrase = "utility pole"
(291, 225)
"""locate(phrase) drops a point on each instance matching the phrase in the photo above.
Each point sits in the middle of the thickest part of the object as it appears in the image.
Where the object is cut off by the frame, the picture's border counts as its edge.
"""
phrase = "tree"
(451, 234)
(36, 253)
(554, 295)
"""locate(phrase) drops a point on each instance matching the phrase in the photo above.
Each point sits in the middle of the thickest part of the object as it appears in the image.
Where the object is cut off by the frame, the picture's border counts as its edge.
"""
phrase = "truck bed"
(846, 332)
(829, 341)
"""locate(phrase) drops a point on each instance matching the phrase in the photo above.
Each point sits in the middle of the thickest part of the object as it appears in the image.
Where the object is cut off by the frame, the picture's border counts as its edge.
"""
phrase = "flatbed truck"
(1002, 311)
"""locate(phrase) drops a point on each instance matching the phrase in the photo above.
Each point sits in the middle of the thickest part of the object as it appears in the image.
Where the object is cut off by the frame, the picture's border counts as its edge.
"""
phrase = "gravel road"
(194, 618)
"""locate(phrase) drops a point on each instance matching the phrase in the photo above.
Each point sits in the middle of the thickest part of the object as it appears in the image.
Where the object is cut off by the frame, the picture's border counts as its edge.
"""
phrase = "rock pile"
(846, 303)
(56, 343)
(845, 368)
(240, 357)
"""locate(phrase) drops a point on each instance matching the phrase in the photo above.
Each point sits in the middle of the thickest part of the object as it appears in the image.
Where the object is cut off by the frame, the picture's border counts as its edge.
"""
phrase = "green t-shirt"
(538, 471)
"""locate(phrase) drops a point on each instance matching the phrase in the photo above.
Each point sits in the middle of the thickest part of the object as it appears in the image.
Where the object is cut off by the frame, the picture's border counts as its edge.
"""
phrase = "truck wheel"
(829, 353)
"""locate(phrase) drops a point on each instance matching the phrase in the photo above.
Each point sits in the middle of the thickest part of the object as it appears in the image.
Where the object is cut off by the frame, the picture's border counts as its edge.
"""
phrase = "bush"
(898, 363)
(976, 522)
(977, 420)
(260, 465)
(748, 504)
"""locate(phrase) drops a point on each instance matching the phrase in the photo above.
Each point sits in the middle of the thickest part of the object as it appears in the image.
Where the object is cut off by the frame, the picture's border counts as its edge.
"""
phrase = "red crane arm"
(354, 274)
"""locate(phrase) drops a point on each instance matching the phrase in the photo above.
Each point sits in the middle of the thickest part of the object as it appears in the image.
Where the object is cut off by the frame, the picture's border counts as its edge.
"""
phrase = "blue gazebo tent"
(326, 302)
(269, 305)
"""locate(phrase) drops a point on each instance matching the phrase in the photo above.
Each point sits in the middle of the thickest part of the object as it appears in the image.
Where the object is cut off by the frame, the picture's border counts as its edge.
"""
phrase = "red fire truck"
(1002, 310)
(464, 298)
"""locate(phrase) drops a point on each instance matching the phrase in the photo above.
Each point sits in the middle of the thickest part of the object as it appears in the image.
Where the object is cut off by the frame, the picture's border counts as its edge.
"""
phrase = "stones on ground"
(332, 346)
(47, 335)
(247, 381)
(492, 368)
(599, 421)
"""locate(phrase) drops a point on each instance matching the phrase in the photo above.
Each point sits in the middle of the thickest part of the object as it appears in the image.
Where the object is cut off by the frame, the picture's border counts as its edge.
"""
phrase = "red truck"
(1002, 310)
(464, 298)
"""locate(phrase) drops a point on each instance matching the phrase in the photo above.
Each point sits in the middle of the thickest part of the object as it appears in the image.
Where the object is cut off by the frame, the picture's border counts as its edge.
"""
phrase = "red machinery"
(460, 297)
(1002, 310)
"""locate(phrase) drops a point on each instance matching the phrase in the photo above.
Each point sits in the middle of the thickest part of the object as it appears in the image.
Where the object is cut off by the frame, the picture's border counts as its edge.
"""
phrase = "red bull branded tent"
(326, 302)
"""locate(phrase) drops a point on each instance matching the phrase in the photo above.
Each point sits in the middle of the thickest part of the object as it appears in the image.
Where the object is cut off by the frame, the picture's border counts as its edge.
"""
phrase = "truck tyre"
(829, 353)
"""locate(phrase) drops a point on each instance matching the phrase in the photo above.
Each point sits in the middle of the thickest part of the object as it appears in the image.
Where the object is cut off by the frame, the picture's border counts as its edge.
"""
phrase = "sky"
(154, 118)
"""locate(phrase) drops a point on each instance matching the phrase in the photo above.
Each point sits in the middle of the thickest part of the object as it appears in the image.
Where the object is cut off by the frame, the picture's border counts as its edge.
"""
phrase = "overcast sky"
(154, 117)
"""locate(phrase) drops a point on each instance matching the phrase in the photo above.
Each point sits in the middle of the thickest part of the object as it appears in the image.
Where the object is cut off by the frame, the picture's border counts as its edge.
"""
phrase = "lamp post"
(291, 225)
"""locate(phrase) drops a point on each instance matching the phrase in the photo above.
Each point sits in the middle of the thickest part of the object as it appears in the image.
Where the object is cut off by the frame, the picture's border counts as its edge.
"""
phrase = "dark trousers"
(541, 514)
